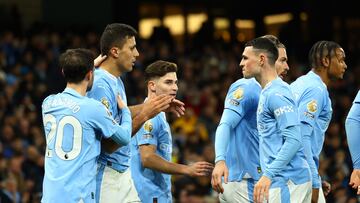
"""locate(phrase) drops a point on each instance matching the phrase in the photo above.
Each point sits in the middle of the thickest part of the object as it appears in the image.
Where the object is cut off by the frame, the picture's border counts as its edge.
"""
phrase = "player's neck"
(322, 73)
(79, 88)
(110, 66)
(267, 75)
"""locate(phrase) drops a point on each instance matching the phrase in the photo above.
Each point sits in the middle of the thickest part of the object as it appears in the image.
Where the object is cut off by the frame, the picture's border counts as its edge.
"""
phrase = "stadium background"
(204, 37)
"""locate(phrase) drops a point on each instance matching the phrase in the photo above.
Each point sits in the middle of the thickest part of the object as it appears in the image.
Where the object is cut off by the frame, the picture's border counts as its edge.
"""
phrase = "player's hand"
(177, 107)
(156, 104)
(261, 189)
(219, 171)
(355, 180)
(99, 60)
(315, 195)
(326, 186)
(201, 168)
(120, 102)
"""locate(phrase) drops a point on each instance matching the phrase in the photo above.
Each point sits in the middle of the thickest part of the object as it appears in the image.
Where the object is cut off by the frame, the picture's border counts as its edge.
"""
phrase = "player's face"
(167, 84)
(127, 55)
(249, 63)
(337, 65)
(281, 63)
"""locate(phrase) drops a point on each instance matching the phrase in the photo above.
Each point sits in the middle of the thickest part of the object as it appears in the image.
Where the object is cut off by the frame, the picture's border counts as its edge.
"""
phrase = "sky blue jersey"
(314, 104)
(281, 152)
(72, 124)
(150, 183)
(352, 126)
(105, 89)
(237, 139)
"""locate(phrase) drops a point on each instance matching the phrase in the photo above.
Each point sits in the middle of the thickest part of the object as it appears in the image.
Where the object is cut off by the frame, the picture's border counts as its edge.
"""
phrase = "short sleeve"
(148, 132)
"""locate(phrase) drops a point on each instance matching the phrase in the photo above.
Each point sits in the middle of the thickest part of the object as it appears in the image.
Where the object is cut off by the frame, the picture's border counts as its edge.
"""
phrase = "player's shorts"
(238, 191)
(291, 193)
(321, 196)
(114, 187)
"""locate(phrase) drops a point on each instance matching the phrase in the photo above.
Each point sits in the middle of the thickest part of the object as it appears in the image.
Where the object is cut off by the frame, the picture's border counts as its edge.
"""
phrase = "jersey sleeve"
(283, 107)
(148, 133)
(101, 120)
(310, 104)
(101, 91)
(239, 99)
(352, 127)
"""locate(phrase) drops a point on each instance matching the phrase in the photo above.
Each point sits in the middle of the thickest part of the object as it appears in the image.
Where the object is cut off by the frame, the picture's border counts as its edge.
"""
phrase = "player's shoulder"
(245, 85)
(103, 77)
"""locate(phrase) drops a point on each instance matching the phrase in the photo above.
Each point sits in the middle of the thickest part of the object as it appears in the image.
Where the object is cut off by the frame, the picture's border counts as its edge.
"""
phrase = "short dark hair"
(320, 50)
(115, 34)
(262, 44)
(158, 69)
(76, 63)
(275, 40)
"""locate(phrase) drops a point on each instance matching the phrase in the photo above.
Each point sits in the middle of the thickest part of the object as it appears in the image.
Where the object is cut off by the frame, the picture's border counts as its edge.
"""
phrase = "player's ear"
(114, 51)
(261, 59)
(325, 61)
(151, 86)
(88, 75)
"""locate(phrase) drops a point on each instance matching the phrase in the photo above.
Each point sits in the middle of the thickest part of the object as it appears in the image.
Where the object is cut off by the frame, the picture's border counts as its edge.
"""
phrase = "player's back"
(273, 117)
(72, 147)
(242, 157)
(313, 101)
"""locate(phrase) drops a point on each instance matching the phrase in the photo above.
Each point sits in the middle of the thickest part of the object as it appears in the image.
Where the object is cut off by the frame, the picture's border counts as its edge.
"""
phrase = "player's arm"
(151, 160)
(104, 123)
(235, 107)
(229, 120)
(122, 135)
(286, 117)
(309, 109)
(150, 108)
(352, 127)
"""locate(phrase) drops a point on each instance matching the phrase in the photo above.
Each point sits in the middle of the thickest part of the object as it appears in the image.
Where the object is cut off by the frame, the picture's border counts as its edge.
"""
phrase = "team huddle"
(267, 143)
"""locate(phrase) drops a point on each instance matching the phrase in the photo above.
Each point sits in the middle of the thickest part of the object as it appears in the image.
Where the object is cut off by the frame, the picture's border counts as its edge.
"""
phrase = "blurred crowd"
(29, 72)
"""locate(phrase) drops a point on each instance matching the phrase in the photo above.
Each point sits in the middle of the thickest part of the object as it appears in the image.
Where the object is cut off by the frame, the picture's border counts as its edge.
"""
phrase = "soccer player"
(151, 164)
(352, 127)
(285, 173)
(71, 121)
(236, 130)
(114, 182)
(327, 62)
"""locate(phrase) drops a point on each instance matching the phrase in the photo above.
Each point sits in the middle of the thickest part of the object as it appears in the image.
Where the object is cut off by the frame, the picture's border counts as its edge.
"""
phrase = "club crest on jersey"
(239, 93)
(148, 126)
(105, 102)
(312, 106)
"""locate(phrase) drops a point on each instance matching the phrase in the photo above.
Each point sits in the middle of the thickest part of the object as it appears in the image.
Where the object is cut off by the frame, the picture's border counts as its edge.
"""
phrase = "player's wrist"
(268, 175)
(219, 158)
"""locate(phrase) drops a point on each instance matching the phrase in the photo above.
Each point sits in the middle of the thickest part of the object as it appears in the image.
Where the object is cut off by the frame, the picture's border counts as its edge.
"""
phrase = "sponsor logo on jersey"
(283, 109)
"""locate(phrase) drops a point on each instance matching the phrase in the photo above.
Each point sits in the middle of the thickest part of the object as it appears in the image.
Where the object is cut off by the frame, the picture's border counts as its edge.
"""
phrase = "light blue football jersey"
(151, 184)
(314, 104)
(105, 89)
(352, 126)
(72, 124)
(241, 153)
(276, 112)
